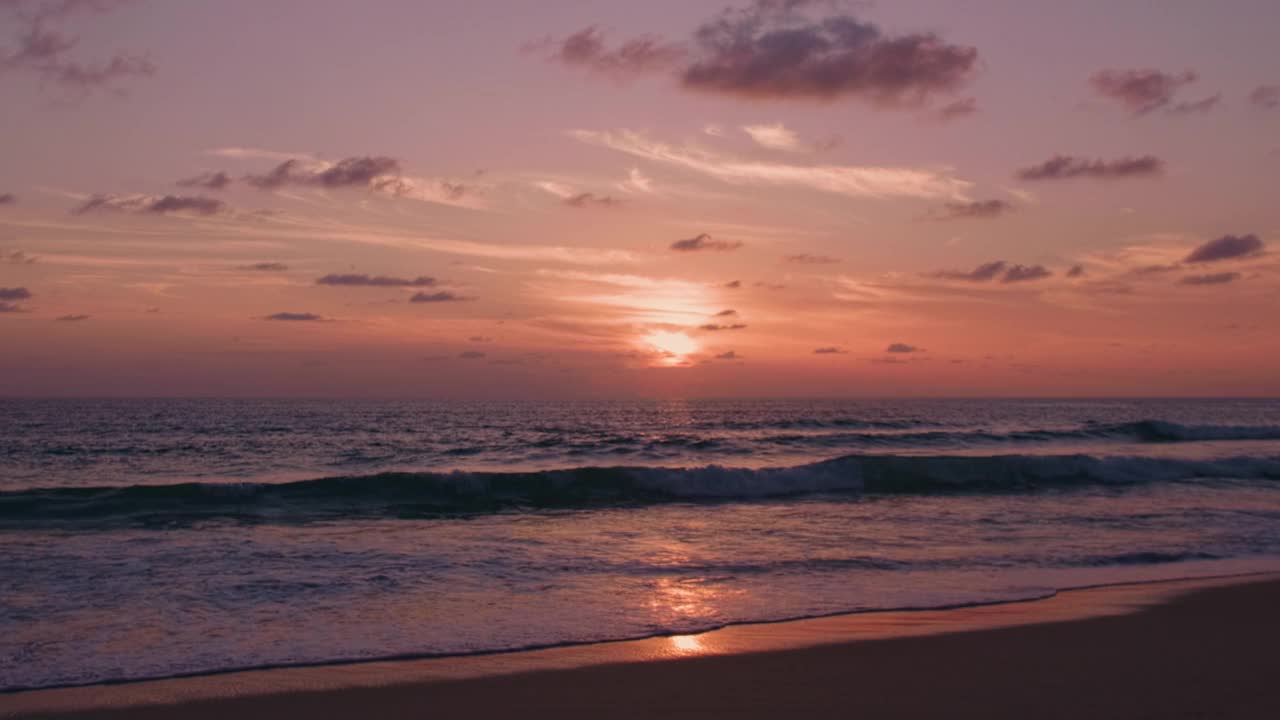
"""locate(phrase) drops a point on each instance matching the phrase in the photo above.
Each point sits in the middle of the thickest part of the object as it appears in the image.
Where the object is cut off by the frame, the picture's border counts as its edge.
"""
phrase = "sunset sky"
(672, 198)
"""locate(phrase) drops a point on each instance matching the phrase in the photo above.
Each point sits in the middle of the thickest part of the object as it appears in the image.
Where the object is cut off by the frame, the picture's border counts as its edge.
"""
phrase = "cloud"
(71, 318)
(265, 267)
(704, 242)
(1265, 97)
(8, 199)
(733, 284)
(209, 181)
(1025, 273)
(1062, 167)
(771, 50)
(983, 273)
(978, 209)
(587, 49)
(295, 317)
(1140, 91)
(637, 182)
(152, 204)
(436, 297)
(828, 351)
(1196, 106)
(1227, 247)
(480, 339)
(354, 280)
(6, 307)
(727, 313)
(377, 173)
(14, 293)
(1211, 279)
(42, 49)
(773, 137)
(958, 109)
(17, 257)
(471, 355)
(1076, 271)
(807, 259)
(590, 200)
(729, 355)
(850, 181)
(712, 327)
(902, 348)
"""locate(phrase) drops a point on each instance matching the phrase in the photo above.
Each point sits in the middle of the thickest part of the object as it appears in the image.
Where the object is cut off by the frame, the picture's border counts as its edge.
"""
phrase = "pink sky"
(609, 199)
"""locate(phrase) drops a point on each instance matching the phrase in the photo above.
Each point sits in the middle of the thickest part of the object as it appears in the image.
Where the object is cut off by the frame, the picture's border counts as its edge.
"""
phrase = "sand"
(1206, 649)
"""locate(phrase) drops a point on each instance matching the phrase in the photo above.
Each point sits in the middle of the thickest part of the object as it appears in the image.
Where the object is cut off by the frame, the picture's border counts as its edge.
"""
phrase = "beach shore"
(1195, 648)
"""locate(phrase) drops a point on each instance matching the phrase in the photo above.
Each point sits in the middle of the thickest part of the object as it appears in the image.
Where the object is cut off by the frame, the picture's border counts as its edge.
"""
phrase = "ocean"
(154, 538)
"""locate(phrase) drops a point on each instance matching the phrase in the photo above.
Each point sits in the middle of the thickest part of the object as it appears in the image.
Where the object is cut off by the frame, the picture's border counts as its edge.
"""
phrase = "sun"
(673, 346)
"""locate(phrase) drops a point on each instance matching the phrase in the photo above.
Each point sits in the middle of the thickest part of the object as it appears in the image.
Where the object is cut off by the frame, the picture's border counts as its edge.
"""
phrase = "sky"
(675, 198)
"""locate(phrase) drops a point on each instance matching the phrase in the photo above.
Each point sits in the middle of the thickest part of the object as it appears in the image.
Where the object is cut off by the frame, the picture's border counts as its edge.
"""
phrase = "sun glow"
(673, 347)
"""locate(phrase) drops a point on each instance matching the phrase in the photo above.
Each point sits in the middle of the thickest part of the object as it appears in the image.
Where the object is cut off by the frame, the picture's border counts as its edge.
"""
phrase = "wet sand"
(1203, 648)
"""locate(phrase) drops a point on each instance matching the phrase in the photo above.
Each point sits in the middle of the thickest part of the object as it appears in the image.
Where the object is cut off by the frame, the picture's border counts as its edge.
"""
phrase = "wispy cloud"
(43, 49)
(853, 181)
(152, 204)
(976, 210)
(1064, 167)
(359, 280)
(807, 259)
(295, 317)
(703, 241)
(438, 297)
(1265, 97)
(1211, 279)
(774, 137)
(1145, 91)
(588, 49)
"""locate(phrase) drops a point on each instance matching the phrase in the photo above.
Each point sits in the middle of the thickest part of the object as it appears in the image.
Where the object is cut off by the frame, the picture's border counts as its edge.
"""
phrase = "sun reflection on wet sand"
(686, 644)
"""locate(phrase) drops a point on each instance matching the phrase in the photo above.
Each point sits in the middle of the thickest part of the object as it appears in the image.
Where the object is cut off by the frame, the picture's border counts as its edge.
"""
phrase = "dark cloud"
(729, 355)
(902, 348)
(983, 273)
(208, 181)
(713, 327)
(704, 242)
(727, 313)
(1062, 167)
(8, 198)
(590, 200)
(1211, 279)
(379, 171)
(1076, 271)
(1265, 97)
(1227, 247)
(442, 296)
(1025, 273)
(17, 257)
(958, 109)
(828, 351)
(471, 355)
(807, 259)
(265, 267)
(978, 209)
(295, 317)
(1140, 91)
(41, 49)
(772, 50)
(733, 284)
(71, 318)
(6, 307)
(587, 49)
(15, 293)
(354, 280)
(157, 205)
(356, 171)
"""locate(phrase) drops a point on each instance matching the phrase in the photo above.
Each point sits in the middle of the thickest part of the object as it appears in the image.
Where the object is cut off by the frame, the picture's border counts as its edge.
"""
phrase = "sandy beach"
(1203, 648)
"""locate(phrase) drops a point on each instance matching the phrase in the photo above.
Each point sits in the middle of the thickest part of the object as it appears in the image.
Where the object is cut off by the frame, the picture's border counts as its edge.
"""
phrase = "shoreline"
(306, 684)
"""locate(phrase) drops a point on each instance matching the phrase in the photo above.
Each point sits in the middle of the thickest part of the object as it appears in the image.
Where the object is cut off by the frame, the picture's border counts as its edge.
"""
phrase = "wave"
(422, 494)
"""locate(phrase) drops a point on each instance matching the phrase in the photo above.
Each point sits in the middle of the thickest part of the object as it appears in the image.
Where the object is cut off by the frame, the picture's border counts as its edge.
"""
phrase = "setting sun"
(674, 347)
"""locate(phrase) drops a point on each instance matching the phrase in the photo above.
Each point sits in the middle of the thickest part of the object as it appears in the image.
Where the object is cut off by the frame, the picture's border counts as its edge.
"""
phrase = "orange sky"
(608, 200)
